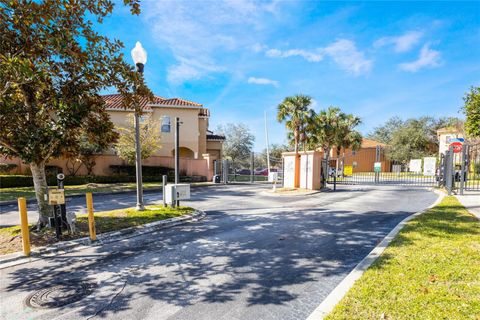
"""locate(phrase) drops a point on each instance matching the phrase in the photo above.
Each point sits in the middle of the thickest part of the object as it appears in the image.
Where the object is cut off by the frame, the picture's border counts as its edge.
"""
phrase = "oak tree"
(53, 64)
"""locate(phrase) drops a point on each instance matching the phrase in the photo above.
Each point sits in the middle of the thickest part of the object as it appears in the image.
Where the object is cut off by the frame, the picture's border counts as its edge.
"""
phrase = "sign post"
(56, 197)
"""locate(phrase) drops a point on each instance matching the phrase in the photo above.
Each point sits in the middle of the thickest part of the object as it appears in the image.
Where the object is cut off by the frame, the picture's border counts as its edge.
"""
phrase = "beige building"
(195, 138)
(445, 137)
(199, 147)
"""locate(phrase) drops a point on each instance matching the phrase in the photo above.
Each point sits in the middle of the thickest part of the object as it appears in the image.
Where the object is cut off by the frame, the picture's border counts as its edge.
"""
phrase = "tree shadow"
(267, 259)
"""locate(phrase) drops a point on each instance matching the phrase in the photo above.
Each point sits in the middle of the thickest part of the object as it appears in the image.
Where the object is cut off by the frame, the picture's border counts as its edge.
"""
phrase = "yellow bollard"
(22, 207)
(91, 219)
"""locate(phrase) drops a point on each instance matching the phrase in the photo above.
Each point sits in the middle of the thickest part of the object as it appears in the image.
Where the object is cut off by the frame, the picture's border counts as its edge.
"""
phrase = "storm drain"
(59, 295)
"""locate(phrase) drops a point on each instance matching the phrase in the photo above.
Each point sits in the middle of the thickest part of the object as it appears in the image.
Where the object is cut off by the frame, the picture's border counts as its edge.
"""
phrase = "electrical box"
(272, 176)
(175, 192)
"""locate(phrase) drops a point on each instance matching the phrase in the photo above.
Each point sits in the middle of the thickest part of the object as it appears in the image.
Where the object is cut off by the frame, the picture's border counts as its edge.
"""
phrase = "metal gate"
(251, 169)
(372, 166)
(466, 169)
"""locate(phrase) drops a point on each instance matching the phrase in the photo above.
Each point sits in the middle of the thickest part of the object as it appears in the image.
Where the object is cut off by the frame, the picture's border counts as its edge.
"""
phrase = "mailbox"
(175, 192)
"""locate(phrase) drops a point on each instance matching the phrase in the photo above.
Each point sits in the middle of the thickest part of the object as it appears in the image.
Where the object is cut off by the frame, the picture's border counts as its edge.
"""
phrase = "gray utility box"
(175, 192)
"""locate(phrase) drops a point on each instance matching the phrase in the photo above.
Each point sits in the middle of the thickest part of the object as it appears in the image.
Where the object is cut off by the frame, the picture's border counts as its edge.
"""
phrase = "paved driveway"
(255, 256)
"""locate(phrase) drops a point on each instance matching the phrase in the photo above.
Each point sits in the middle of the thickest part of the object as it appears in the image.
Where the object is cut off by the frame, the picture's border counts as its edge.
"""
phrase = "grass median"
(105, 221)
(429, 271)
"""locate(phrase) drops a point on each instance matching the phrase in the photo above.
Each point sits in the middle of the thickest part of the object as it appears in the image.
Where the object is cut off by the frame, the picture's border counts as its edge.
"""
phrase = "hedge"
(7, 167)
(14, 181)
(129, 170)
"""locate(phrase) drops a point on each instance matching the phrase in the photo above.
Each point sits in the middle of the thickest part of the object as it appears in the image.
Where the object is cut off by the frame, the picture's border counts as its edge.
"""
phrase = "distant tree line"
(412, 138)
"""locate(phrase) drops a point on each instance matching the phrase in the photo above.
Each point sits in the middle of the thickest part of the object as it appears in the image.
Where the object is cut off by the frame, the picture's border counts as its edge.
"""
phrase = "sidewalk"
(471, 201)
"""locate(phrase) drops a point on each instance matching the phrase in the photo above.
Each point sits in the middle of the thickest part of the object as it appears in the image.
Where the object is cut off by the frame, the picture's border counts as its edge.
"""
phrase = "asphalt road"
(255, 256)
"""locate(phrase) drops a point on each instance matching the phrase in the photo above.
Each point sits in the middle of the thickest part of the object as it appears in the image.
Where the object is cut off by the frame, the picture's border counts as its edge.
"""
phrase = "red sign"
(457, 147)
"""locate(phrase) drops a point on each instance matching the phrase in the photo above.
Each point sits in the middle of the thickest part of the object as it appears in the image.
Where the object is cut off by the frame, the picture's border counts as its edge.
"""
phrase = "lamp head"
(139, 56)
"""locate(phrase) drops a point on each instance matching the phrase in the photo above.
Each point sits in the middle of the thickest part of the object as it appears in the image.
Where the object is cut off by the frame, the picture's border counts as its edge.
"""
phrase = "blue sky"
(240, 58)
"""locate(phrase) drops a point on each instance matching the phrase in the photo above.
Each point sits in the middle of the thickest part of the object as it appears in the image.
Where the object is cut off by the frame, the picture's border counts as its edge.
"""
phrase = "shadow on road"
(269, 256)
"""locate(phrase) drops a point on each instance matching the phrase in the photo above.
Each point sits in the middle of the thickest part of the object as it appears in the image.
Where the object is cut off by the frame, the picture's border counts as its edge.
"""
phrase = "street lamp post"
(139, 56)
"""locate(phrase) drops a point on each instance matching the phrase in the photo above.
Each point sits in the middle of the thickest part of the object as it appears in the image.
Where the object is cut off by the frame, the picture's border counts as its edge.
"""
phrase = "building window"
(165, 124)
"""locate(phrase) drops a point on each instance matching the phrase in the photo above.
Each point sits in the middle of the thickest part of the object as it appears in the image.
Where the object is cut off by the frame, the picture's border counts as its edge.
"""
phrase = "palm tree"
(324, 129)
(346, 136)
(296, 113)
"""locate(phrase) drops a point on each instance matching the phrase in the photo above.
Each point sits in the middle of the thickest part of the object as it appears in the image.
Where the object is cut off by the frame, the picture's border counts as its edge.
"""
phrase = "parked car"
(242, 172)
(264, 172)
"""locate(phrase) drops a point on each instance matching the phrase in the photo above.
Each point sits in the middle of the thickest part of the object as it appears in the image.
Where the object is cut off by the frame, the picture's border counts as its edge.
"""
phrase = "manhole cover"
(59, 295)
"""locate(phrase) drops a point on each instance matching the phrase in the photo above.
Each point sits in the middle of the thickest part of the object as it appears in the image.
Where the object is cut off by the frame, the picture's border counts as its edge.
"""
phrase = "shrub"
(15, 181)
(129, 170)
(476, 168)
(53, 170)
(7, 167)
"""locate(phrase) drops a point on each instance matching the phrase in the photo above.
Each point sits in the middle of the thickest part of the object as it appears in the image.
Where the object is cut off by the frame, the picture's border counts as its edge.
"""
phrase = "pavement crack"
(111, 301)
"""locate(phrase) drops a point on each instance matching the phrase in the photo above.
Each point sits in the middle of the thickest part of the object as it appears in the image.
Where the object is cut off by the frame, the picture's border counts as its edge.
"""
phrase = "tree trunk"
(337, 163)
(40, 184)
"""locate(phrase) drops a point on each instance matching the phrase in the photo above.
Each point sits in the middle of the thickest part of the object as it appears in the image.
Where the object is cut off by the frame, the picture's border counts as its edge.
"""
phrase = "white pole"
(268, 150)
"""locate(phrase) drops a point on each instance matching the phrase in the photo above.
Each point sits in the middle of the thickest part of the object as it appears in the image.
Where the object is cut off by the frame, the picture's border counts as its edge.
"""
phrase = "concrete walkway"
(471, 201)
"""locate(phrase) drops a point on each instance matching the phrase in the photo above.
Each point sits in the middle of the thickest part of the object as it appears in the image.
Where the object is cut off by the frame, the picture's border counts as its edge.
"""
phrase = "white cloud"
(343, 52)
(263, 81)
(427, 58)
(401, 43)
(346, 55)
(312, 56)
(257, 47)
(196, 32)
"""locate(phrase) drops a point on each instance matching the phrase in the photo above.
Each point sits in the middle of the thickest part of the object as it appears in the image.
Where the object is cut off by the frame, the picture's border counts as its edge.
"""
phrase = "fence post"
(377, 159)
(164, 183)
(225, 171)
(252, 165)
(449, 170)
(91, 219)
(22, 208)
(462, 171)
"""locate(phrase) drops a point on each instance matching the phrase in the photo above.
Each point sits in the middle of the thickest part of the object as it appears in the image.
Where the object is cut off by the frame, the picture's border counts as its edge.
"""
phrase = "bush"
(129, 170)
(7, 167)
(53, 170)
(476, 168)
(15, 181)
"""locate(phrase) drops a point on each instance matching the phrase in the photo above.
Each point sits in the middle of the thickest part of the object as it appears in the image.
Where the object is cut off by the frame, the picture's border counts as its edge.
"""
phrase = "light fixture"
(139, 56)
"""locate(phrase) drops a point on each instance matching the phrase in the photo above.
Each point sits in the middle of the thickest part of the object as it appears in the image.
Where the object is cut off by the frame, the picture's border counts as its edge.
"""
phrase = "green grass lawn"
(10, 238)
(431, 270)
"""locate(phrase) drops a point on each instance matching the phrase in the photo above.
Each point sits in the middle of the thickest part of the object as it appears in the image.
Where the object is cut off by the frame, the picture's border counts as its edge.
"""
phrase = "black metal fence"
(466, 169)
(371, 166)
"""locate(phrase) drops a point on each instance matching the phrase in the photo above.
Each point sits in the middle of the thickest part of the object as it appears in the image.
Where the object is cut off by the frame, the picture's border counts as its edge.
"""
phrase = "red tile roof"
(178, 102)
(114, 101)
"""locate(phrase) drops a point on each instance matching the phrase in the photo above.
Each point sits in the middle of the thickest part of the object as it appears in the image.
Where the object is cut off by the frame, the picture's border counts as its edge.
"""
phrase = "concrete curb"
(343, 287)
(17, 258)
(281, 194)
(145, 191)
